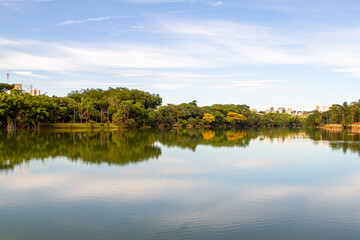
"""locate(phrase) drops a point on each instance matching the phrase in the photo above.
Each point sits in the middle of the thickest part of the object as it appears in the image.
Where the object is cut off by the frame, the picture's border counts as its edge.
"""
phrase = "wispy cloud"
(195, 47)
(237, 43)
(170, 86)
(214, 3)
(250, 84)
(19, 5)
(30, 74)
(95, 84)
(138, 26)
(355, 72)
(174, 74)
(158, 1)
(98, 19)
(8, 42)
(96, 58)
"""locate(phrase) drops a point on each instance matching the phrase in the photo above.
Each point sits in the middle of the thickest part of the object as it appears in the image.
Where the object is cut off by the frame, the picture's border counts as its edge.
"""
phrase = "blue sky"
(257, 52)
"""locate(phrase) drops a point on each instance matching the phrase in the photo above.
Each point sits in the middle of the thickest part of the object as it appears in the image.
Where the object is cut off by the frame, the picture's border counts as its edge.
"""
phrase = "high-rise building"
(281, 110)
(35, 92)
(324, 108)
(271, 109)
(289, 110)
(317, 108)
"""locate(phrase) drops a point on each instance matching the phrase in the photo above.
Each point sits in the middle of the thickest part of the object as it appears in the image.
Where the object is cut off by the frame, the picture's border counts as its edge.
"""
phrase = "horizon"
(299, 54)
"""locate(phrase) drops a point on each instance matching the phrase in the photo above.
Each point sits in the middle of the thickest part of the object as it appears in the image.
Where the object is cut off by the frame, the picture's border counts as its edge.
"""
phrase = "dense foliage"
(4, 87)
(221, 115)
(119, 105)
(344, 114)
(127, 108)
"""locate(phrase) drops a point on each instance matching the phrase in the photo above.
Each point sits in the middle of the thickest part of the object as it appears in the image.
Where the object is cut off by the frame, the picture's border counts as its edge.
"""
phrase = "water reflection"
(104, 147)
(204, 184)
(124, 147)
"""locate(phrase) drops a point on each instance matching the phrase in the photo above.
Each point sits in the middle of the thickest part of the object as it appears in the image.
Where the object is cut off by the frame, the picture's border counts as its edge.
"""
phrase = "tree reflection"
(191, 138)
(118, 148)
(125, 147)
(343, 140)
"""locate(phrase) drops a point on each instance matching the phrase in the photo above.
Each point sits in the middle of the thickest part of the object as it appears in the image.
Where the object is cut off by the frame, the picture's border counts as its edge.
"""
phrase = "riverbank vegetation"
(345, 115)
(121, 107)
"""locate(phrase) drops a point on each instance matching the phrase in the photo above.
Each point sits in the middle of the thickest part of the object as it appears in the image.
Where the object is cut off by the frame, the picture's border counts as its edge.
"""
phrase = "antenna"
(7, 78)
(27, 88)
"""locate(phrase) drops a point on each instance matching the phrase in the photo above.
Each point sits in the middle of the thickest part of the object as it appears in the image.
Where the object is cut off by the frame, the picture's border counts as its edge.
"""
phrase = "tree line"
(127, 108)
(345, 114)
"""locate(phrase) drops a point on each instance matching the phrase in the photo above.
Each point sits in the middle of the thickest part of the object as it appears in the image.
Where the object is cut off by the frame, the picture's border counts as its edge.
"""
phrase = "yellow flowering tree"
(208, 118)
(235, 117)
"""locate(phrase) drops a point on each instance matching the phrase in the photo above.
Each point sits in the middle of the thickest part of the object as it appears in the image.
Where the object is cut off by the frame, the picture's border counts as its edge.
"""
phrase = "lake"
(180, 184)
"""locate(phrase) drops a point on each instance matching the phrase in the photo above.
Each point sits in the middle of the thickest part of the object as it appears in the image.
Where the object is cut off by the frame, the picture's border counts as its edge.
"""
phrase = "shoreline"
(114, 127)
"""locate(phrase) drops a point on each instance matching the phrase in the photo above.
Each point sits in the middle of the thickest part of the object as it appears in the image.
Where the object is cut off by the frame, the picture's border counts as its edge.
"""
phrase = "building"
(281, 110)
(289, 111)
(324, 108)
(253, 110)
(317, 108)
(35, 92)
(272, 110)
(18, 86)
(32, 92)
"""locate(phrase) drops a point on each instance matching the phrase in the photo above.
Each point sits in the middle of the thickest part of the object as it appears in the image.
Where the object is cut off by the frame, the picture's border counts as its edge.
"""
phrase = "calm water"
(185, 184)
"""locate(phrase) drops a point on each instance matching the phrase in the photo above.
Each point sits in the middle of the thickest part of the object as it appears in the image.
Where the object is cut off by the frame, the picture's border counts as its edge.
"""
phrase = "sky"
(263, 53)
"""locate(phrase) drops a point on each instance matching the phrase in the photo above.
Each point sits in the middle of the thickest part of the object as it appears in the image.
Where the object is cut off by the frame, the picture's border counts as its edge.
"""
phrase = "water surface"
(180, 184)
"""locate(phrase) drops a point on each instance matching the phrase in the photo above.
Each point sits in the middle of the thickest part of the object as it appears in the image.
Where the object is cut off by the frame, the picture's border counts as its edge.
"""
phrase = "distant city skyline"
(291, 54)
(290, 110)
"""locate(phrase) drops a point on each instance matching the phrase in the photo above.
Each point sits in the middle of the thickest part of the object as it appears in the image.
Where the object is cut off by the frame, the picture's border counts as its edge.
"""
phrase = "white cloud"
(352, 71)
(236, 43)
(191, 76)
(170, 86)
(137, 27)
(98, 19)
(158, 1)
(195, 47)
(250, 84)
(214, 3)
(18, 5)
(14, 60)
(95, 58)
(7, 42)
(30, 74)
(95, 84)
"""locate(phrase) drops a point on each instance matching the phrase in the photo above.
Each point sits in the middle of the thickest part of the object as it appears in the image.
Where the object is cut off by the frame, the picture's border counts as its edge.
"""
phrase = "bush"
(192, 121)
(184, 123)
